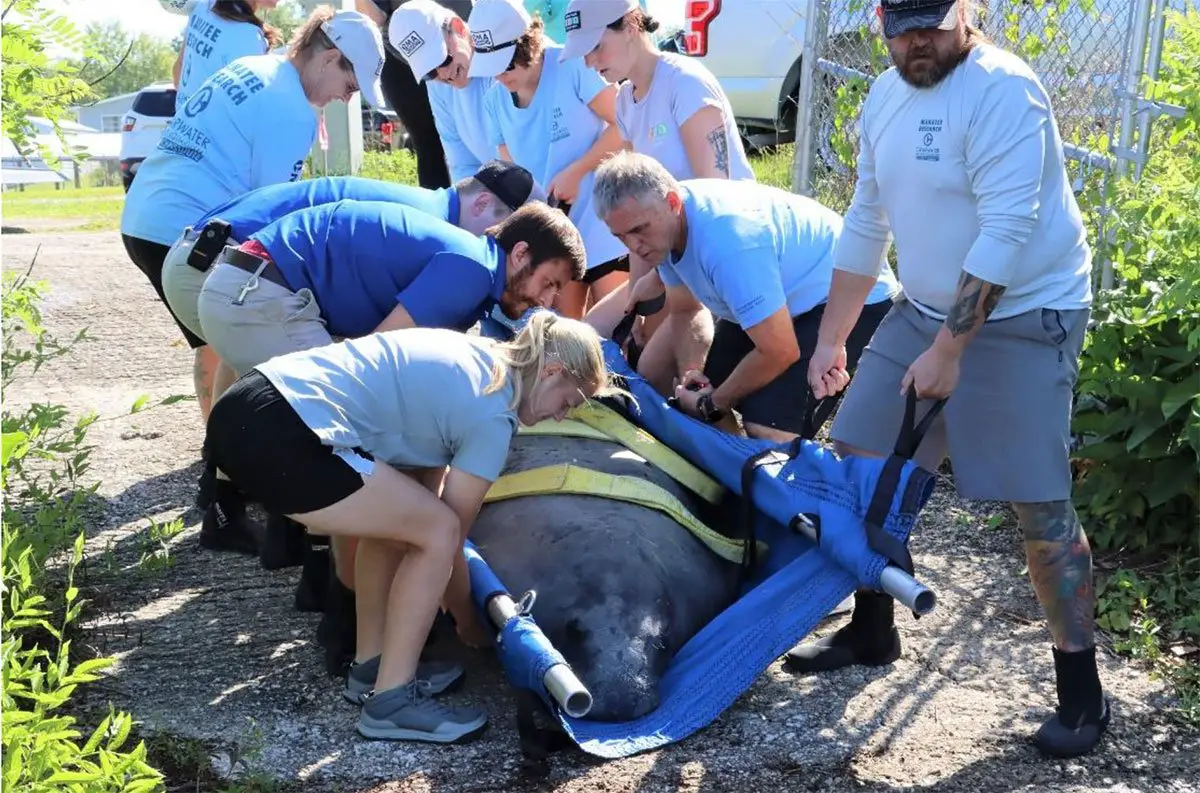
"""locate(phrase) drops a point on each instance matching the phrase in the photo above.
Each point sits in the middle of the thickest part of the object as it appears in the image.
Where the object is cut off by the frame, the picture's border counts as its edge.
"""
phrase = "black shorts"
(149, 257)
(783, 403)
(617, 265)
(260, 442)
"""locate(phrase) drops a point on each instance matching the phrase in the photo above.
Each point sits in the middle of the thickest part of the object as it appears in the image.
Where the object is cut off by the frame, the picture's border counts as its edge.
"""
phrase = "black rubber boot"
(207, 485)
(283, 545)
(226, 526)
(338, 628)
(314, 579)
(1083, 712)
(869, 639)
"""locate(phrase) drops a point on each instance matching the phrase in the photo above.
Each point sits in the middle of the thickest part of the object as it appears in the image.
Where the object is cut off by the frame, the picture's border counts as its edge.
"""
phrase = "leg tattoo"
(204, 370)
(1060, 567)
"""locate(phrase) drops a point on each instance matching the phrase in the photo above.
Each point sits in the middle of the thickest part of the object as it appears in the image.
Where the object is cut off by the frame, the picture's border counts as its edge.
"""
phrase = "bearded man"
(962, 164)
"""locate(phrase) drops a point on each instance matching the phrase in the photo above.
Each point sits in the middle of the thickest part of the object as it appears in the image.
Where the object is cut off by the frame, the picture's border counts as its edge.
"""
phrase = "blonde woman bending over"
(341, 437)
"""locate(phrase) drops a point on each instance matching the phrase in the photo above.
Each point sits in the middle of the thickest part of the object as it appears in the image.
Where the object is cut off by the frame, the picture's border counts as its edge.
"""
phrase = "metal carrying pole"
(907, 590)
(560, 680)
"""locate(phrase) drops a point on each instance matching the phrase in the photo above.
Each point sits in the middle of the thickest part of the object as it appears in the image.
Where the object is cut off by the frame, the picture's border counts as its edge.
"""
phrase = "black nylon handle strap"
(907, 443)
(643, 309)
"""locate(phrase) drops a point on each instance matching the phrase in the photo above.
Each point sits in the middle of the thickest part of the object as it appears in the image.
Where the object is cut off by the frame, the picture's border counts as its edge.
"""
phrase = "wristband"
(709, 412)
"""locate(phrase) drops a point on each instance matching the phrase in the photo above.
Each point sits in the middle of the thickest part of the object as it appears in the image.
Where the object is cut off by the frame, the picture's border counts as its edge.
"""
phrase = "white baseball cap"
(495, 27)
(416, 30)
(359, 40)
(585, 22)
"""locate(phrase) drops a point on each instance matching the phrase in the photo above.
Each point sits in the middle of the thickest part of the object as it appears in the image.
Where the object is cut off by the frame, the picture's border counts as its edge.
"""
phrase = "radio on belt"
(209, 244)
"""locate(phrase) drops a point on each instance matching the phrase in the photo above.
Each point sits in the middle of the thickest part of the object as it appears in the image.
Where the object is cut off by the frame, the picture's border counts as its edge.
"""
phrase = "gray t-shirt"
(413, 398)
(681, 87)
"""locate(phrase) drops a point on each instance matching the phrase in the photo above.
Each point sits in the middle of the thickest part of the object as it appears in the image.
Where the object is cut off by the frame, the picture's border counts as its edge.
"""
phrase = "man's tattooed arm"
(720, 145)
(974, 301)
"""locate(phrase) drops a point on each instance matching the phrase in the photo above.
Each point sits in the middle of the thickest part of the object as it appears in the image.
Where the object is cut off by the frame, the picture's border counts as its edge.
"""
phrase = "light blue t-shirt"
(458, 115)
(413, 398)
(555, 130)
(249, 125)
(210, 43)
(753, 249)
(251, 213)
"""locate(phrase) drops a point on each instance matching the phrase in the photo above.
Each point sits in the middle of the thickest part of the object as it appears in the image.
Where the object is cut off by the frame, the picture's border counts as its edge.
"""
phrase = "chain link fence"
(1090, 55)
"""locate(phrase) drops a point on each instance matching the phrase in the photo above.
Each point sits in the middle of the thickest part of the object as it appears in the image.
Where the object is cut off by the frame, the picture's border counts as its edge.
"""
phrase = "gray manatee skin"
(620, 587)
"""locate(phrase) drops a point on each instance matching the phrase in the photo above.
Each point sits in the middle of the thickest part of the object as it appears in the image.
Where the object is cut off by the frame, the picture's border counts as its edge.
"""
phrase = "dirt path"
(211, 648)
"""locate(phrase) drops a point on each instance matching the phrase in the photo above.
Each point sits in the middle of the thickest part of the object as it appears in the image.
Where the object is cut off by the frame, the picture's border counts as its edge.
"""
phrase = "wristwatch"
(709, 412)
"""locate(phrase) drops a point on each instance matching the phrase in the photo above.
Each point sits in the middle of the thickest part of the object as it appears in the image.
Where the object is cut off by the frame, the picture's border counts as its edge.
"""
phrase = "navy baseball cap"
(511, 183)
(905, 16)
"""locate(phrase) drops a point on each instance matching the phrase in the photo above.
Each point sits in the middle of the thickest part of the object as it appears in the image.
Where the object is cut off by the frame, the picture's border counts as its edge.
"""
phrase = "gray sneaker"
(435, 677)
(407, 713)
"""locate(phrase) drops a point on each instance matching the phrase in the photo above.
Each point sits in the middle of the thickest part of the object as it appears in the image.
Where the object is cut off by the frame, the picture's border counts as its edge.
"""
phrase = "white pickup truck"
(753, 47)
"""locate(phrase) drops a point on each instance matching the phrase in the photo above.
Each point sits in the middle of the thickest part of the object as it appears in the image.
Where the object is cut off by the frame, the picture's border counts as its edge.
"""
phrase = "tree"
(287, 16)
(33, 84)
(121, 63)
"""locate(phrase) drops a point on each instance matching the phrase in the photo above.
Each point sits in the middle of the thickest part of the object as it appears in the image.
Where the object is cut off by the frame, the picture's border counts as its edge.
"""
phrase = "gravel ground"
(210, 648)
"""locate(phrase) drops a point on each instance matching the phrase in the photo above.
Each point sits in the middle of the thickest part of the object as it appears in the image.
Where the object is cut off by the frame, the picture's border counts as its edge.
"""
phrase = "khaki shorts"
(1006, 426)
(182, 282)
(269, 319)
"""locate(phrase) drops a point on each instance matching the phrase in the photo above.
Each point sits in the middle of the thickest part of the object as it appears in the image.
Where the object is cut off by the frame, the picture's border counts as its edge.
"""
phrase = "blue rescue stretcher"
(830, 525)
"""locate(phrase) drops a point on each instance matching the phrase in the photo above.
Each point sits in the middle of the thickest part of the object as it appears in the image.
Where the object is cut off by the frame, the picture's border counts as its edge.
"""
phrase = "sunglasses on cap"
(433, 74)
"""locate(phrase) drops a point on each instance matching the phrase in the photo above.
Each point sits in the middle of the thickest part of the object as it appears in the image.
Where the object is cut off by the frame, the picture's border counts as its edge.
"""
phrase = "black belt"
(250, 263)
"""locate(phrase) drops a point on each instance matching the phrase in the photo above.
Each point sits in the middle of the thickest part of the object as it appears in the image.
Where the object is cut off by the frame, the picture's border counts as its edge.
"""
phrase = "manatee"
(620, 587)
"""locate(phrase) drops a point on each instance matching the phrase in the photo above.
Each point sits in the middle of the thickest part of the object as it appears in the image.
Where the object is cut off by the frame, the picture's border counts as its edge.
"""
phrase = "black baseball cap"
(904, 16)
(511, 183)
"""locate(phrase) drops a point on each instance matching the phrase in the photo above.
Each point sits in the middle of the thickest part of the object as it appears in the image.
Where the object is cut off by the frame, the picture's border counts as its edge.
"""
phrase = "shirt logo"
(482, 38)
(572, 22)
(195, 106)
(927, 148)
(410, 44)
(657, 131)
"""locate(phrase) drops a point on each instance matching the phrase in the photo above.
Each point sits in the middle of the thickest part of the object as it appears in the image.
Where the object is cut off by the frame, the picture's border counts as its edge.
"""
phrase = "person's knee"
(442, 540)
(1050, 521)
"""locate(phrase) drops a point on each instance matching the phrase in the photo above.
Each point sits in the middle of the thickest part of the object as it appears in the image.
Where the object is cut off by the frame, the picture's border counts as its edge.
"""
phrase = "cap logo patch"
(572, 22)
(410, 44)
(482, 38)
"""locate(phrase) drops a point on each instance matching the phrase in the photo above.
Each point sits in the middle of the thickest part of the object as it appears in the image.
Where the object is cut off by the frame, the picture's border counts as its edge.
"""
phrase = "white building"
(106, 114)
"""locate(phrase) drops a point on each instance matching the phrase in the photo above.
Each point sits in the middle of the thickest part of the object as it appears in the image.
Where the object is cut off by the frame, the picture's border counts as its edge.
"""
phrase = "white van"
(142, 128)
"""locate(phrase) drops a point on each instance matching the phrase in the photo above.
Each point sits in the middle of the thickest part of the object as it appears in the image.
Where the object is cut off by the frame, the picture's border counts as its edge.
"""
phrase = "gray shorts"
(182, 282)
(269, 320)
(1006, 426)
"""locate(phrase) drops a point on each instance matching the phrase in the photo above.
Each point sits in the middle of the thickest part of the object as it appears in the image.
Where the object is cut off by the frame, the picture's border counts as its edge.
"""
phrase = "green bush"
(1139, 387)
(399, 166)
(44, 456)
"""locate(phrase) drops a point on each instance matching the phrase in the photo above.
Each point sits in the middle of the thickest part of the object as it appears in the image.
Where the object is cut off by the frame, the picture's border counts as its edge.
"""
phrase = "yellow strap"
(597, 420)
(568, 428)
(567, 479)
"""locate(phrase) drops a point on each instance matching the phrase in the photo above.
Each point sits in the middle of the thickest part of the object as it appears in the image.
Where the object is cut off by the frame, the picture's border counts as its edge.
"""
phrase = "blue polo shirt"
(752, 249)
(361, 258)
(250, 213)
